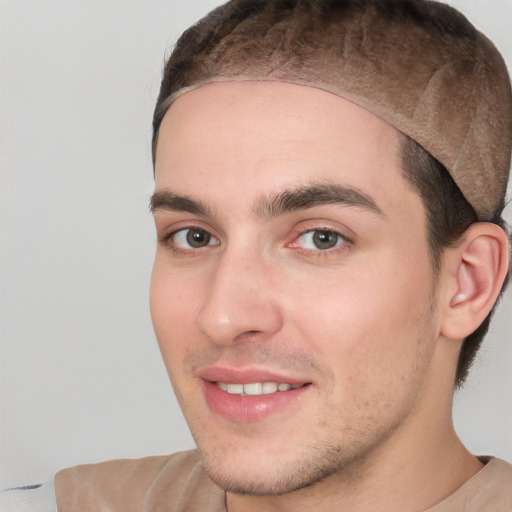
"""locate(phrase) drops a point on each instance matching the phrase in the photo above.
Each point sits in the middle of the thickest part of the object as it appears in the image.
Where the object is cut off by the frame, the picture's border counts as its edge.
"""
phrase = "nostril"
(249, 334)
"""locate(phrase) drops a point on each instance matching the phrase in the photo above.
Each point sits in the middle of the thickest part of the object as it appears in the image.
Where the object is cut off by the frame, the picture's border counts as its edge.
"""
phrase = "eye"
(192, 238)
(320, 239)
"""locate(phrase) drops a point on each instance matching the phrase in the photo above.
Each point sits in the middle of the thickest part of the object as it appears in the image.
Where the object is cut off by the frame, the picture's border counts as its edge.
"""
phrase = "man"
(329, 182)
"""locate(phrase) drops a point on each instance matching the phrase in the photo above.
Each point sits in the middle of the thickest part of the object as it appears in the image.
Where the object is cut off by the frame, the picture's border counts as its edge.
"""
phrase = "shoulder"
(174, 482)
(493, 490)
(490, 489)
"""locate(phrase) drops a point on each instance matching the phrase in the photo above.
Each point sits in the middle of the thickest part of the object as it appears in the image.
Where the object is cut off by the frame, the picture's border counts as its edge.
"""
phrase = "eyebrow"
(309, 196)
(168, 200)
(274, 205)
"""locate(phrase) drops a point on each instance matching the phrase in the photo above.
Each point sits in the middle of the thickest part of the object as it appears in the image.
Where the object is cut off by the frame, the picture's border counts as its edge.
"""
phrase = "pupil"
(197, 238)
(325, 239)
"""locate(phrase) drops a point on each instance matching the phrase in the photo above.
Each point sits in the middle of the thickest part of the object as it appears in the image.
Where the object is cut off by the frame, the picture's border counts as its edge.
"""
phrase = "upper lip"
(232, 375)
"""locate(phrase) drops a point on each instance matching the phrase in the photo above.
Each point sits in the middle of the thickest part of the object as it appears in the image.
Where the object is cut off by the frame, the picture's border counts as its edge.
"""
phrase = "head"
(447, 129)
(352, 141)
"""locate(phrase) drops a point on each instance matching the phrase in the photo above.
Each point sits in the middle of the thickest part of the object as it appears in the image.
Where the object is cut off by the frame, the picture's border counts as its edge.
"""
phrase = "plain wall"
(81, 375)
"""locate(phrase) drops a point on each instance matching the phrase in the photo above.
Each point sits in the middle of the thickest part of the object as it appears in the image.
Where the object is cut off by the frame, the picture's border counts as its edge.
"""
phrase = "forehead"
(253, 137)
(252, 104)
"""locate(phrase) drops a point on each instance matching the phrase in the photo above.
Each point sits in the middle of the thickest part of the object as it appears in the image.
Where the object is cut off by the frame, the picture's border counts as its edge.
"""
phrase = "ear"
(475, 271)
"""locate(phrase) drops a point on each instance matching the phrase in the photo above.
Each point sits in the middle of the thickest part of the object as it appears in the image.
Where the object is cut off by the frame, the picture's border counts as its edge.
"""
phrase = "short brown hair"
(283, 39)
(449, 215)
(420, 65)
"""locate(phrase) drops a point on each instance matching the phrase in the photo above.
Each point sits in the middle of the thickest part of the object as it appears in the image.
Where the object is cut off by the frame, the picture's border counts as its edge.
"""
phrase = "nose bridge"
(239, 299)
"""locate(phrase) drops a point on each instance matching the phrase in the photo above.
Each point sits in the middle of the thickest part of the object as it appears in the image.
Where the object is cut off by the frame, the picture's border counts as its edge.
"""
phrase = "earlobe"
(477, 269)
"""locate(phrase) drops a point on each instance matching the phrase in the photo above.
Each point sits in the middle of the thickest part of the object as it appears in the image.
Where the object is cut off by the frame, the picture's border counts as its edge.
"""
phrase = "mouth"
(257, 388)
(246, 396)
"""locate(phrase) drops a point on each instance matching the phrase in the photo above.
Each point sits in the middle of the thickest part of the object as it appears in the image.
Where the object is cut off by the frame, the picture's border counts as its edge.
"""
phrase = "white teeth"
(253, 389)
(235, 389)
(269, 387)
(256, 388)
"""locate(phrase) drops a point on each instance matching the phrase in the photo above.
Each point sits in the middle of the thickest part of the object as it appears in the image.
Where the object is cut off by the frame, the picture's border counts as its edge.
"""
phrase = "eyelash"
(342, 243)
(176, 249)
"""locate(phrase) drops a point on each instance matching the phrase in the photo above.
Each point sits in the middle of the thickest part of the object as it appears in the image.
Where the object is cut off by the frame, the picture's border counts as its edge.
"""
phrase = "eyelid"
(167, 225)
(320, 225)
(166, 234)
(340, 236)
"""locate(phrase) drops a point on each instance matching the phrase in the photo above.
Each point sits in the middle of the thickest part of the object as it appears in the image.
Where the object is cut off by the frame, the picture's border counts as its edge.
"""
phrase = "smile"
(256, 388)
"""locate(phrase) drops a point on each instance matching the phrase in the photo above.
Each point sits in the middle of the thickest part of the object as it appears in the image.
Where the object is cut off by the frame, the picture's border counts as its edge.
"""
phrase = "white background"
(81, 376)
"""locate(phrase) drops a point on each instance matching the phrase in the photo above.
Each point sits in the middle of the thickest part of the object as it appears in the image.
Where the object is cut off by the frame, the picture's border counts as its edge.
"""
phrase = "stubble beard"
(290, 477)
(340, 454)
(322, 460)
(314, 464)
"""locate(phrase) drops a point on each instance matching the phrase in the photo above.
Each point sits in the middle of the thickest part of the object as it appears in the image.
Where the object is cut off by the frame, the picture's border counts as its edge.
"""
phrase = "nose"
(240, 301)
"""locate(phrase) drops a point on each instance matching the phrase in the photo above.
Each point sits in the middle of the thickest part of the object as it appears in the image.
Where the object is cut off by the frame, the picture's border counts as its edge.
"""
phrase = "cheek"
(369, 324)
(172, 305)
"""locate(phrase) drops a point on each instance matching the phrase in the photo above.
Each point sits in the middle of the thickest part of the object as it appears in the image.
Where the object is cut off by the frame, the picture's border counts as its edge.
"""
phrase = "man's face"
(292, 293)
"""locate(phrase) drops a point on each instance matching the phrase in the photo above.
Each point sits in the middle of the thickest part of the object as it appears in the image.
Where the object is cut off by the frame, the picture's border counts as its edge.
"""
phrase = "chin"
(271, 475)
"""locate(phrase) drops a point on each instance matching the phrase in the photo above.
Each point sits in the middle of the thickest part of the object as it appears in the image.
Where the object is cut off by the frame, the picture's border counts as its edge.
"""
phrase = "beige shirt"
(178, 483)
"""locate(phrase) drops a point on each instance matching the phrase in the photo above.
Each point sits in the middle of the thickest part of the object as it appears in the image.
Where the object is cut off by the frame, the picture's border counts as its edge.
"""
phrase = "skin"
(361, 322)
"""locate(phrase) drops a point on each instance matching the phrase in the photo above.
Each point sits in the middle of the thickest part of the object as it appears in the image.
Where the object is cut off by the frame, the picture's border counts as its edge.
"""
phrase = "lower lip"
(248, 408)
